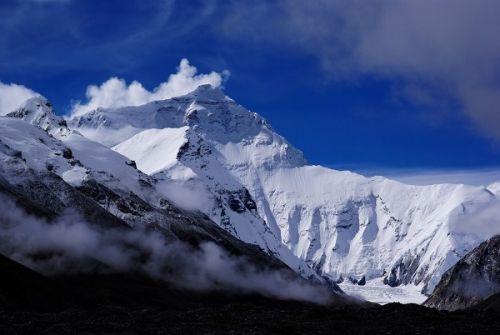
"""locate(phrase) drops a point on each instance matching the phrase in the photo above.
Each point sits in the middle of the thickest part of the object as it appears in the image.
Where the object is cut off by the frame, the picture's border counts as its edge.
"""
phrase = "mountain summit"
(39, 112)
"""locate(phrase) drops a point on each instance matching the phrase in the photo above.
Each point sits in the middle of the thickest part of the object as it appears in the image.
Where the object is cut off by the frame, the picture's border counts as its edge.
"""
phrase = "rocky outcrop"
(473, 279)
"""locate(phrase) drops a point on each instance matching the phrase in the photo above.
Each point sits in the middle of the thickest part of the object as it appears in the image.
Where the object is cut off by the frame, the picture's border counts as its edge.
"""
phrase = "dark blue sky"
(352, 86)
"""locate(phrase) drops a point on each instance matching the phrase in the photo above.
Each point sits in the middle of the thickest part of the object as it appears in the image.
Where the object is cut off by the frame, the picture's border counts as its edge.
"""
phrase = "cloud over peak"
(115, 92)
(12, 96)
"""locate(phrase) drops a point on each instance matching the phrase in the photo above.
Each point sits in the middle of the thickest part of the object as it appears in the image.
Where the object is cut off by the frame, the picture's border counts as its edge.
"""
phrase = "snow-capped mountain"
(169, 146)
(53, 168)
(77, 160)
(65, 210)
(229, 163)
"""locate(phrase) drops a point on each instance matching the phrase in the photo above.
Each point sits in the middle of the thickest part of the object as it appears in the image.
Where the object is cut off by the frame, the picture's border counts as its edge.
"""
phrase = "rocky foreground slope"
(125, 304)
(473, 279)
(209, 153)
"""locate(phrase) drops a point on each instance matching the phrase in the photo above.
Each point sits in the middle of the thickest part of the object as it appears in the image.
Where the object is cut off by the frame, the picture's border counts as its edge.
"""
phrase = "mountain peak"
(39, 112)
(37, 104)
(208, 92)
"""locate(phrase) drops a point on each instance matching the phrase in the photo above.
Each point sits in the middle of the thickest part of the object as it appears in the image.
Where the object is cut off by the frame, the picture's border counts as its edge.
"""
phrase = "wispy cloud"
(450, 45)
(69, 245)
(115, 92)
(86, 40)
(478, 177)
(12, 96)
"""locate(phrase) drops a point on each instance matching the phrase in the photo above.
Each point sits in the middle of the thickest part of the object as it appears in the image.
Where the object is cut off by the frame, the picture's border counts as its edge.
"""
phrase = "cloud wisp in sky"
(442, 50)
(449, 47)
(115, 92)
(12, 96)
(477, 177)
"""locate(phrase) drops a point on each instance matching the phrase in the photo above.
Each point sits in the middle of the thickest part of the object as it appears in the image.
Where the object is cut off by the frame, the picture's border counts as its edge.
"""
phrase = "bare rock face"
(473, 279)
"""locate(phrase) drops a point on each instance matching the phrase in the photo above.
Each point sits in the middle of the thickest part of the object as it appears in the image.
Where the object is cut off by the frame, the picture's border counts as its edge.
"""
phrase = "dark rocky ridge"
(130, 304)
(473, 279)
(42, 197)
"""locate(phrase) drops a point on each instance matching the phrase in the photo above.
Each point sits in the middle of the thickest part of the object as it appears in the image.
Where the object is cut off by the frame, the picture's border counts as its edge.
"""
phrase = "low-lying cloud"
(70, 245)
(476, 177)
(12, 96)
(189, 194)
(483, 220)
(115, 92)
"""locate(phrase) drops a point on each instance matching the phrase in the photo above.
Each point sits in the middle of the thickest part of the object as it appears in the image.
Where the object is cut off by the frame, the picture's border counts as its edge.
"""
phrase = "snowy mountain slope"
(38, 111)
(200, 167)
(33, 167)
(79, 161)
(196, 179)
(164, 143)
(32, 156)
(112, 179)
(350, 226)
(32, 182)
(342, 224)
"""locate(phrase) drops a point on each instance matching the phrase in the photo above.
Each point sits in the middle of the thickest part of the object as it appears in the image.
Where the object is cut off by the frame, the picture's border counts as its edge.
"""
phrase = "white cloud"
(12, 96)
(478, 177)
(482, 220)
(115, 92)
(452, 45)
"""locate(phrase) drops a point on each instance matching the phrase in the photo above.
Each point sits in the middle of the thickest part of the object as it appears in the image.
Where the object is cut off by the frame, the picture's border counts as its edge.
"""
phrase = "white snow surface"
(162, 146)
(376, 291)
(87, 159)
(340, 223)
(495, 188)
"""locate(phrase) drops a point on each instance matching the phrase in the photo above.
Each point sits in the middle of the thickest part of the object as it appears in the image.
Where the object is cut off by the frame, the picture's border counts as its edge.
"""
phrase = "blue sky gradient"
(364, 107)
